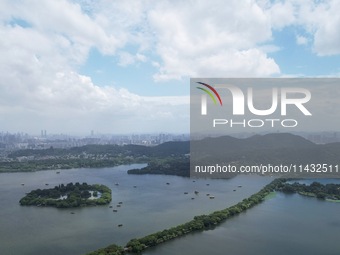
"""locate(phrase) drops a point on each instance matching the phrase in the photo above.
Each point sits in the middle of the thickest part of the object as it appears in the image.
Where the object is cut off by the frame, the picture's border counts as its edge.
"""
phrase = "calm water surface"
(286, 224)
(152, 206)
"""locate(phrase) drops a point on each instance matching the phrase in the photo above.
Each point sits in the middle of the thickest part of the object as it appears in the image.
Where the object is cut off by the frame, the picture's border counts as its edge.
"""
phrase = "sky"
(124, 66)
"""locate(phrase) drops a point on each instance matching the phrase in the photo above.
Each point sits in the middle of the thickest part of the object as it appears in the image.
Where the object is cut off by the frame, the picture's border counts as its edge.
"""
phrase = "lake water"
(285, 224)
(151, 206)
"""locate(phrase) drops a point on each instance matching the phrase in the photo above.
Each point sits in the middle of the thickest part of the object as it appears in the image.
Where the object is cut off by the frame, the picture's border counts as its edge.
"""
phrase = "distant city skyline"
(122, 67)
(16, 141)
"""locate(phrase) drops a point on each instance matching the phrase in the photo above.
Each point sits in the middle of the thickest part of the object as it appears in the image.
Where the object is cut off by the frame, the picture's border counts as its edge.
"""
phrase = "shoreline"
(199, 223)
(202, 222)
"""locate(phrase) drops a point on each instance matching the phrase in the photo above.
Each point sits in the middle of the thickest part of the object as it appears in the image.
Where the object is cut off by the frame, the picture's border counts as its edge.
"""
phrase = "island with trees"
(179, 166)
(330, 191)
(69, 196)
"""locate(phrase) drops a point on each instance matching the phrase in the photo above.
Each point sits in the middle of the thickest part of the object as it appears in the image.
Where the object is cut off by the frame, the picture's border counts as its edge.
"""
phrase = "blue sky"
(138, 78)
(300, 60)
(124, 66)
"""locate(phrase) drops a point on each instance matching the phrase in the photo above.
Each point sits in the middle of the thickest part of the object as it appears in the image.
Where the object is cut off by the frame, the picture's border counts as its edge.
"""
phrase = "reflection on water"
(149, 203)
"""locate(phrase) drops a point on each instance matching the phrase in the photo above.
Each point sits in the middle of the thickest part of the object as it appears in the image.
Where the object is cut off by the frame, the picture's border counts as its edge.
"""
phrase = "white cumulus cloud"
(44, 43)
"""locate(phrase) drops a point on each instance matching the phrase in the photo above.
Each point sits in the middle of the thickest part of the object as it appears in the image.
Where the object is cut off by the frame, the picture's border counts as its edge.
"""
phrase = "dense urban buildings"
(15, 141)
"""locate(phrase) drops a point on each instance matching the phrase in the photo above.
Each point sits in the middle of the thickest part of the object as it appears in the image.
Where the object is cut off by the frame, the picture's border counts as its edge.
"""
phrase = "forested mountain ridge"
(173, 157)
(89, 156)
(275, 149)
(279, 148)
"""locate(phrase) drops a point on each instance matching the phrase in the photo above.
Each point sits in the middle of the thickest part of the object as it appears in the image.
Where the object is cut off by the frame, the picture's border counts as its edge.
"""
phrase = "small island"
(329, 192)
(69, 196)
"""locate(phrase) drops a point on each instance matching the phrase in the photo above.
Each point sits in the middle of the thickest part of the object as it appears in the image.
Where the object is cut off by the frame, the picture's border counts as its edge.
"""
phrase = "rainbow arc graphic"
(211, 92)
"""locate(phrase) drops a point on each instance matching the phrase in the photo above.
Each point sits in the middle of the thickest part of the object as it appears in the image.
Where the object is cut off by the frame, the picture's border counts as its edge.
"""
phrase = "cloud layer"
(44, 43)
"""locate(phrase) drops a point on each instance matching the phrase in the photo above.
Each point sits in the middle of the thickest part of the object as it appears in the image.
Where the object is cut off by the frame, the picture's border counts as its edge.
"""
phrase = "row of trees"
(327, 191)
(113, 249)
(199, 223)
(202, 222)
(59, 163)
(161, 150)
(69, 195)
(91, 156)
